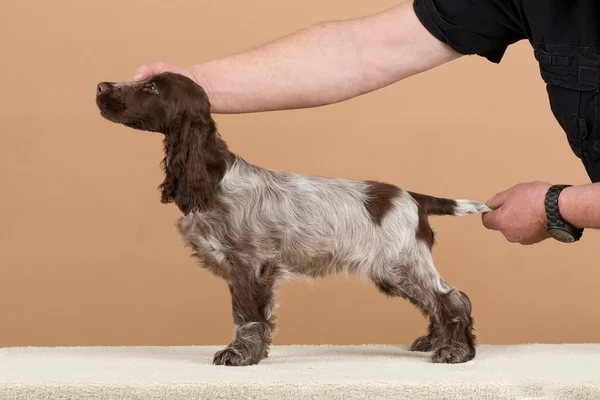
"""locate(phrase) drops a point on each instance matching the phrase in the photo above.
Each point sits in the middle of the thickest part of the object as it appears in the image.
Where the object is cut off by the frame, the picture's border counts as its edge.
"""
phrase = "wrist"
(559, 198)
(199, 76)
(566, 201)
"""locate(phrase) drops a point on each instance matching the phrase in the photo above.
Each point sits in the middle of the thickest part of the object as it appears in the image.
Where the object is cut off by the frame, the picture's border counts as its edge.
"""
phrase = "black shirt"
(565, 37)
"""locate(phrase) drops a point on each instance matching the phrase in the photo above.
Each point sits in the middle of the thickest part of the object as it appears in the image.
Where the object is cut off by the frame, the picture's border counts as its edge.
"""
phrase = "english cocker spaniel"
(252, 226)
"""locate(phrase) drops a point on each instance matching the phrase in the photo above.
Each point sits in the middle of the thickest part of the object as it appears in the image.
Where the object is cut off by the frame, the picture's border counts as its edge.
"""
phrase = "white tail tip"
(466, 207)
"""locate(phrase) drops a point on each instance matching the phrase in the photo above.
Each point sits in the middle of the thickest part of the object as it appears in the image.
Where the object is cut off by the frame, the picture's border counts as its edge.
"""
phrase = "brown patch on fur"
(424, 231)
(380, 196)
(429, 205)
(434, 205)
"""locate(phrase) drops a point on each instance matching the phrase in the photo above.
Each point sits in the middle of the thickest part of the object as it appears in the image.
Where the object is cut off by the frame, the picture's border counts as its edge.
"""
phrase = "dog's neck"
(218, 157)
(194, 167)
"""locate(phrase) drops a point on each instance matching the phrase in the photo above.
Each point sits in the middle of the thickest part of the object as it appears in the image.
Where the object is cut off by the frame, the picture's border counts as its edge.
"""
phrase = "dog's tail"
(439, 206)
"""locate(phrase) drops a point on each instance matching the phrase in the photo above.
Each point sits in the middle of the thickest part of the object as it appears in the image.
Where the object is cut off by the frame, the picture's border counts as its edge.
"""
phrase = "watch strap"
(553, 216)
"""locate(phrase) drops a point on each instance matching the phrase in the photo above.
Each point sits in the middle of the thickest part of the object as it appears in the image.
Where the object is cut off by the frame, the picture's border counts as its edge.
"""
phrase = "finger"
(499, 199)
(147, 70)
(491, 220)
(529, 241)
(535, 239)
(511, 238)
(142, 73)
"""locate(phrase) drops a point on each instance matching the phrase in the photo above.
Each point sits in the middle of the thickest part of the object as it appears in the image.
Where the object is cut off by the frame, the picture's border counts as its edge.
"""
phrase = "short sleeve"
(482, 27)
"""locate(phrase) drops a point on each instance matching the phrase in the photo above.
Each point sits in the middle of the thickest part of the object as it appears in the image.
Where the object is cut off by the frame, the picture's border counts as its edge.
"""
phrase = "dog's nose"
(102, 88)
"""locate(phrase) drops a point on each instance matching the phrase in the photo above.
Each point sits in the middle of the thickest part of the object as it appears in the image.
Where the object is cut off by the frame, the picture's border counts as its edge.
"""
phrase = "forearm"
(580, 205)
(324, 64)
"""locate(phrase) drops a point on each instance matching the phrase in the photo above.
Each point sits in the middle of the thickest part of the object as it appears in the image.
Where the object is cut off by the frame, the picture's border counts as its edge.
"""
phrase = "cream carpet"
(565, 372)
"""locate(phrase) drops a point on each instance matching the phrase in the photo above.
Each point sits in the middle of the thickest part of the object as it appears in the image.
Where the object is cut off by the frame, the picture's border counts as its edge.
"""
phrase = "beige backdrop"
(89, 256)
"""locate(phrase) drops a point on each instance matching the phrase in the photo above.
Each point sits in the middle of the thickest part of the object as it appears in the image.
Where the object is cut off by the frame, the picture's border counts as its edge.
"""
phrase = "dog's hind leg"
(451, 336)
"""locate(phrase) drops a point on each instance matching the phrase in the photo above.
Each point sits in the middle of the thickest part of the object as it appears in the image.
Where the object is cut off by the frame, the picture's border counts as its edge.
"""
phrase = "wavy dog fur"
(252, 226)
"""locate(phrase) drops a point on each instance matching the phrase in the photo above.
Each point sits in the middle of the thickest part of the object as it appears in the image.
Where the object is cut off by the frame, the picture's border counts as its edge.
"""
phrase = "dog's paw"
(231, 356)
(422, 344)
(453, 355)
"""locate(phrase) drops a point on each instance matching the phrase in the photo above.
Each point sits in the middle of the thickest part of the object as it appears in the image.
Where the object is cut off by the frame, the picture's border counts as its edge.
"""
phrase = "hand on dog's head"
(174, 105)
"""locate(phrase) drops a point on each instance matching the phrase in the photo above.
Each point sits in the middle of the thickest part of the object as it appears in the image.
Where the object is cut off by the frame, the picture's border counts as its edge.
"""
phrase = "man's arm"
(580, 205)
(324, 64)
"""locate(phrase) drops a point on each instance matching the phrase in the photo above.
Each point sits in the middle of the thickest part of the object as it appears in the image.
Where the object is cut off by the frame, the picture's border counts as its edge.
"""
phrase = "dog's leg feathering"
(252, 297)
(450, 335)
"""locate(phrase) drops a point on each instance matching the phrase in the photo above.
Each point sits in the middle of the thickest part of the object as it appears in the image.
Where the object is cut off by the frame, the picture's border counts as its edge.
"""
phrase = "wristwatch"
(558, 228)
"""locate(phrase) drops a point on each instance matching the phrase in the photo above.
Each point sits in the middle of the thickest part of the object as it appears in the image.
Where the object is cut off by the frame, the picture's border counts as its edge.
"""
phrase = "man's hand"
(519, 213)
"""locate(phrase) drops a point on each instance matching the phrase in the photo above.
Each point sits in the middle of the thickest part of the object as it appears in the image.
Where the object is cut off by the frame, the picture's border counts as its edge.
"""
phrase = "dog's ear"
(187, 182)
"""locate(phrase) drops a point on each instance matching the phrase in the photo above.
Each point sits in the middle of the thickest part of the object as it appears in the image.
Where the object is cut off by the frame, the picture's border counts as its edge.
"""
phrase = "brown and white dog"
(252, 226)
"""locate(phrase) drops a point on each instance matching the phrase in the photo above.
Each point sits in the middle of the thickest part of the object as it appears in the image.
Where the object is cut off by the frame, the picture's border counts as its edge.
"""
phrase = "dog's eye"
(151, 87)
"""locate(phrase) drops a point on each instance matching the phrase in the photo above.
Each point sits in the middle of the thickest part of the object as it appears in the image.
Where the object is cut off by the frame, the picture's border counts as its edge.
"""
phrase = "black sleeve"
(482, 27)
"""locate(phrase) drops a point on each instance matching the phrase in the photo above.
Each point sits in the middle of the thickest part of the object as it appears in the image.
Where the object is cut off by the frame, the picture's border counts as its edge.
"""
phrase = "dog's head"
(172, 104)
(160, 103)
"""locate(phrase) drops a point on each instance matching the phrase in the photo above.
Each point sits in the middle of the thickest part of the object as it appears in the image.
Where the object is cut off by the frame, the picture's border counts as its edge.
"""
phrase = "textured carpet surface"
(567, 372)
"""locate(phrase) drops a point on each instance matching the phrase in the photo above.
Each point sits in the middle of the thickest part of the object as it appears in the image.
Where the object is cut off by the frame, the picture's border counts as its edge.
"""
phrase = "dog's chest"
(204, 240)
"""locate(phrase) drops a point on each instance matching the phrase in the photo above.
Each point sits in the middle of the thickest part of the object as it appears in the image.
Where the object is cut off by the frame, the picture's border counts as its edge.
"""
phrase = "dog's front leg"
(252, 299)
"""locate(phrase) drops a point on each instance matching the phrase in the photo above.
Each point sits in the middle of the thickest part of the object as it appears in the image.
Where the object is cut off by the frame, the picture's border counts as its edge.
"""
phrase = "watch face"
(561, 235)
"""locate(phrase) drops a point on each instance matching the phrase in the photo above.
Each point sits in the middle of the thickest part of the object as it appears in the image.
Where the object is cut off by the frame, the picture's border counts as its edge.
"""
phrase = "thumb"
(142, 72)
(491, 220)
(147, 70)
(498, 200)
